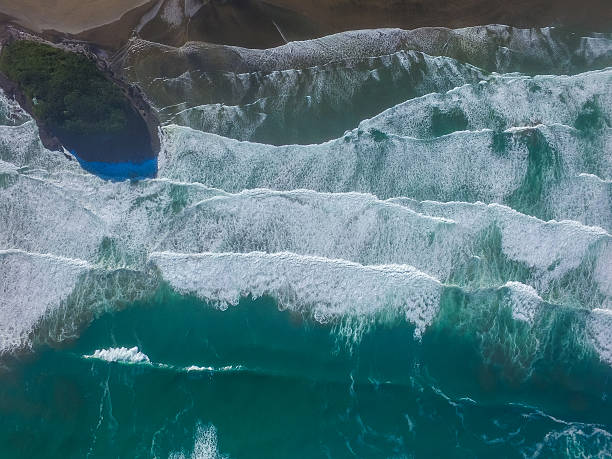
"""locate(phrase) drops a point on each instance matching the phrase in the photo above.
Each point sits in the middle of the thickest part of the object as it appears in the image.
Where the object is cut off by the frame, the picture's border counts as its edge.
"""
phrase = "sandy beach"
(259, 24)
(69, 16)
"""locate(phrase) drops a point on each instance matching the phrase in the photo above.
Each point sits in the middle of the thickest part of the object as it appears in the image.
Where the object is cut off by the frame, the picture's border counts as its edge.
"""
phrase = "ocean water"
(128, 170)
(369, 245)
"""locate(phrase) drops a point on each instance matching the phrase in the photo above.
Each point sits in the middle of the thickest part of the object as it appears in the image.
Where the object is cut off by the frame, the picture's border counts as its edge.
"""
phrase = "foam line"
(495, 47)
(327, 289)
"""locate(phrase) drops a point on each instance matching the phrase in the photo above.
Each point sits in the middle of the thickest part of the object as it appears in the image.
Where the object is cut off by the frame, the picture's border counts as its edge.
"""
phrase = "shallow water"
(417, 267)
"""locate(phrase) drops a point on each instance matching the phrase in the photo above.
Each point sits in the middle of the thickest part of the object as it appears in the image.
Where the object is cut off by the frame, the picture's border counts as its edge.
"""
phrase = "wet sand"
(262, 24)
(336, 15)
(69, 16)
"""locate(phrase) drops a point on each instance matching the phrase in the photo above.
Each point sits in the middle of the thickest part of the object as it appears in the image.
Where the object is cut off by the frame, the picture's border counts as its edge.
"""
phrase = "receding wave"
(508, 49)
(304, 106)
(581, 101)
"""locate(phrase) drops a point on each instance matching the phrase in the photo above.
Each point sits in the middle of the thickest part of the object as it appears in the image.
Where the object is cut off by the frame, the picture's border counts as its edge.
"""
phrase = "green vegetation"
(68, 92)
(77, 104)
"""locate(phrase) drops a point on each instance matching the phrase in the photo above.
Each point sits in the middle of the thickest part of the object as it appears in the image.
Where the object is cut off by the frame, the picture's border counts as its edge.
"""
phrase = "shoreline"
(68, 16)
(133, 94)
(268, 23)
(12, 91)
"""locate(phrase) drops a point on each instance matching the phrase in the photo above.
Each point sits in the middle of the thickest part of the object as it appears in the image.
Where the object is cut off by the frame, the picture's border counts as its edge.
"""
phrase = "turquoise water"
(371, 249)
(278, 385)
(120, 171)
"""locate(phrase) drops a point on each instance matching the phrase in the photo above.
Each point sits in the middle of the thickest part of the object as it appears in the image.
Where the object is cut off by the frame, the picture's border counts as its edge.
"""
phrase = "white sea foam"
(578, 439)
(285, 220)
(120, 354)
(502, 102)
(205, 445)
(40, 216)
(22, 146)
(600, 327)
(327, 289)
(460, 166)
(32, 285)
(85, 217)
(439, 239)
(528, 240)
(524, 301)
(134, 355)
(198, 368)
(132, 216)
(350, 297)
(585, 198)
(11, 114)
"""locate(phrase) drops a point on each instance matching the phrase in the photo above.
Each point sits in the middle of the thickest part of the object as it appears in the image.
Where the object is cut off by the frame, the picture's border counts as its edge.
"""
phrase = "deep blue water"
(120, 171)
